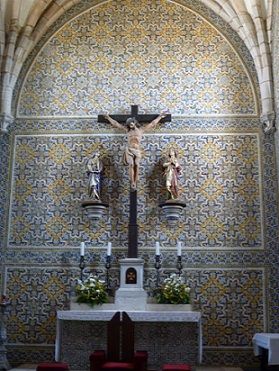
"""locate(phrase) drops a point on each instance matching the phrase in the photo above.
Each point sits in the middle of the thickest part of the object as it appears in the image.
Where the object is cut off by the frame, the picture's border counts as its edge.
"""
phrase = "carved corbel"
(6, 121)
(268, 123)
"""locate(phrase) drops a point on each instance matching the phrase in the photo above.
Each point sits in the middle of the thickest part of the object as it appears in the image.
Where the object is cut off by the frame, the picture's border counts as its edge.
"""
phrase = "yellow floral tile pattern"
(158, 55)
(220, 184)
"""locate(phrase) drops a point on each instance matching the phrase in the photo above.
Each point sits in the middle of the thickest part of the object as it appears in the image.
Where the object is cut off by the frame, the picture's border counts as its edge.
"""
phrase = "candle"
(179, 248)
(157, 248)
(82, 248)
(109, 249)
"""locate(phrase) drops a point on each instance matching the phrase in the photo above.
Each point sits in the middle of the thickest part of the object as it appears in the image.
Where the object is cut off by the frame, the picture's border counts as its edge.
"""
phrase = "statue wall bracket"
(6, 121)
(95, 209)
(172, 210)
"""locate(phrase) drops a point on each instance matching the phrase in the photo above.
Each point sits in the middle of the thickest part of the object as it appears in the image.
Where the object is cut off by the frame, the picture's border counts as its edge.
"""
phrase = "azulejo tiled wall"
(227, 181)
(272, 194)
(4, 155)
(231, 300)
(156, 53)
(49, 182)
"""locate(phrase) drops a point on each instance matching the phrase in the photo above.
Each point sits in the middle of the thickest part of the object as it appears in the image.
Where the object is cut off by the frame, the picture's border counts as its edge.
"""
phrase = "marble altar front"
(168, 336)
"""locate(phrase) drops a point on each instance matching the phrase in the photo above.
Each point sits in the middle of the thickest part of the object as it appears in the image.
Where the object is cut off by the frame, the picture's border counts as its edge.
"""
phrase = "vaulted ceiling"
(24, 22)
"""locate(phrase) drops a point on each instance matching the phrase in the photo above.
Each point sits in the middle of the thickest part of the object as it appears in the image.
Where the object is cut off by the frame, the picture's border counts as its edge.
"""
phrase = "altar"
(168, 336)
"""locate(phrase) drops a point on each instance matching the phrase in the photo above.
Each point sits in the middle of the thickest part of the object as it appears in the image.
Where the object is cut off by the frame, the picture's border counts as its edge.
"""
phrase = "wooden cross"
(134, 113)
(133, 227)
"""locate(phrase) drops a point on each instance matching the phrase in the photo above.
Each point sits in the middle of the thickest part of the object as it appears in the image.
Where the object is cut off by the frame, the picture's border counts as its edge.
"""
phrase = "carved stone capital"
(268, 123)
(5, 121)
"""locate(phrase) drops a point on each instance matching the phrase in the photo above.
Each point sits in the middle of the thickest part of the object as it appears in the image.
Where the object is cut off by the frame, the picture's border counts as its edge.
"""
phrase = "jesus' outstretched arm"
(114, 123)
(152, 124)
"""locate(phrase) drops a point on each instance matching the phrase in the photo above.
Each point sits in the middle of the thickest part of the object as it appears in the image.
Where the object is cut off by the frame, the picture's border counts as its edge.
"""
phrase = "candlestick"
(179, 265)
(157, 248)
(81, 266)
(157, 267)
(179, 248)
(82, 248)
(108, 266)
(109, 249)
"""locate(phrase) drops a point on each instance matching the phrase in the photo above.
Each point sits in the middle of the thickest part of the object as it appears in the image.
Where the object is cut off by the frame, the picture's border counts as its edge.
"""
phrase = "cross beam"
(133, 227)
(134, 113)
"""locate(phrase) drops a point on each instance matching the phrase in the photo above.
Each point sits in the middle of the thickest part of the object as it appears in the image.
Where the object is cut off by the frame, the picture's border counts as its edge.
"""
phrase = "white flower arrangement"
(92, 291)
(173, 291)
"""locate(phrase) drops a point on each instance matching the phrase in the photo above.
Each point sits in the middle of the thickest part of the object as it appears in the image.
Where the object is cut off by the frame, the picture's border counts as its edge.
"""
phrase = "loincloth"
(130, 155)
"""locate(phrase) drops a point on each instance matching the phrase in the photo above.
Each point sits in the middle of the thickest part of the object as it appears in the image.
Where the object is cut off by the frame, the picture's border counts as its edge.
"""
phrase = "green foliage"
(91, 291)
(173, 291)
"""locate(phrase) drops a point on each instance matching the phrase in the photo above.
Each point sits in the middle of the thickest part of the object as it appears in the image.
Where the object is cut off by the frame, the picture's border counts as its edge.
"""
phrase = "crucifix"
(132, 157)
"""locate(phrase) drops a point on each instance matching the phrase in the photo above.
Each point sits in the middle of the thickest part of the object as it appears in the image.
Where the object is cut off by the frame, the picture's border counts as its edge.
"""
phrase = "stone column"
(275, 55)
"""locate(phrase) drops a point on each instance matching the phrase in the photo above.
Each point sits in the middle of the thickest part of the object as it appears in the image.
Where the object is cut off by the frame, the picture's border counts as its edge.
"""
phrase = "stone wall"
(275, 45)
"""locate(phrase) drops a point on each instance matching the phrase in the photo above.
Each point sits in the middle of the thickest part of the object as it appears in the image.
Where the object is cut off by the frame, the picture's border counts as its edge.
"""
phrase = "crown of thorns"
(131, 120)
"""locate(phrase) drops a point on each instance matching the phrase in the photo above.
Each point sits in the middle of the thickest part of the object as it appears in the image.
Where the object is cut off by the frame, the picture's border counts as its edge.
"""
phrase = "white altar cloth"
(136, 316)
(268, 341)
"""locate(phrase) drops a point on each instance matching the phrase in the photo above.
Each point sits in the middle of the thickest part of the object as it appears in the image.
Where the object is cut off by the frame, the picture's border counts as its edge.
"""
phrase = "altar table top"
(268, 341)
(137, 316)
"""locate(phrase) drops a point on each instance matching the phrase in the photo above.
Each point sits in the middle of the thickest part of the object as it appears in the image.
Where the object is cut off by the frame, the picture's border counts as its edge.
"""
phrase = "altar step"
(25, 367)
(32, 367)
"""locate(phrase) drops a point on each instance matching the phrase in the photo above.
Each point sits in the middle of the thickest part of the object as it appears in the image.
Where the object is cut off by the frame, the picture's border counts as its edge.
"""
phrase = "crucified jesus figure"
(132, 154)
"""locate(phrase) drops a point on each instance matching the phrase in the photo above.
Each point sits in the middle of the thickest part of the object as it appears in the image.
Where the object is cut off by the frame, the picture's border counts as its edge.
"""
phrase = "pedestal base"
(131, 295)
(130, 299)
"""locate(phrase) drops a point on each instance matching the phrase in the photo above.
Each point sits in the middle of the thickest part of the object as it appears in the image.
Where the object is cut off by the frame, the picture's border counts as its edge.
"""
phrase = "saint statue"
(94, 169)
(132, 154)
(171, 172)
